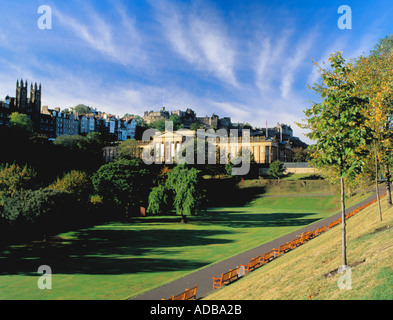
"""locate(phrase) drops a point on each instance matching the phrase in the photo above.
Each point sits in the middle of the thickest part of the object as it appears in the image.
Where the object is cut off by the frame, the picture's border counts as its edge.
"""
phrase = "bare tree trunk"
(388, 189)
(344, 231)
(376, 181)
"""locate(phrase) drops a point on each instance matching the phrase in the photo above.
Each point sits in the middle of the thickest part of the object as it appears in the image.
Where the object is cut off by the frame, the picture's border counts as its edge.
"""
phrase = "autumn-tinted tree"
(14, 178)
(78, 183)
(374, 77)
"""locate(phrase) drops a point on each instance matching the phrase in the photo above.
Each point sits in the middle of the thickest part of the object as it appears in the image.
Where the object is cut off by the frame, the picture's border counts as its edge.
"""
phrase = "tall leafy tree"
(374, 77)
(188, 192)
(125, 183)
(338, 127)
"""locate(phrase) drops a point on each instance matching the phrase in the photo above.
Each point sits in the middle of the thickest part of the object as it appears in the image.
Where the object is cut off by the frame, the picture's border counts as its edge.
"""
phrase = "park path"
(203, 277)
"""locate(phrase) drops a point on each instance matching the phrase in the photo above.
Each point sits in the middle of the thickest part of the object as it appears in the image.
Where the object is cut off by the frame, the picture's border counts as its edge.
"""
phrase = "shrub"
(14, 178)
(77, 183)
(42, 210)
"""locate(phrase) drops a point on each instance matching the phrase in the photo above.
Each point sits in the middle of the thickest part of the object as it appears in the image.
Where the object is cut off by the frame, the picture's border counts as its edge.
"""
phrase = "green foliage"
(82, 109)
(186, 185)
(72, 142)
(336, 123)
(127, 149)
(40, 210)
(159, 201)
(125, 183)
(14, 178)
(300, 155)
(195, 126)
(236, 162)
(21, 121)
(158, 125)
(338, 126)
(75, 182)
(276, 169)
(177, 123)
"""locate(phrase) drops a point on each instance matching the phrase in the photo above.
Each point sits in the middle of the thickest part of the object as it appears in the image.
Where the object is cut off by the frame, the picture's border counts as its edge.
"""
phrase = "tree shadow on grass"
(111, 252)
(255, 220)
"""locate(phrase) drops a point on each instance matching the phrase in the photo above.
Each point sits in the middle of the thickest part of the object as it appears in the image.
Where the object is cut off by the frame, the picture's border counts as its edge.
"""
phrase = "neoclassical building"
(165, 147)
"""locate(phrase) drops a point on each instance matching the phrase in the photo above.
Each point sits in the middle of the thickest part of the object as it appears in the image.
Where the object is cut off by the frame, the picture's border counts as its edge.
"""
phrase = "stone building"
(64, 123)
(22, 103)
(265, 151)
(152, 116)
(188, 118)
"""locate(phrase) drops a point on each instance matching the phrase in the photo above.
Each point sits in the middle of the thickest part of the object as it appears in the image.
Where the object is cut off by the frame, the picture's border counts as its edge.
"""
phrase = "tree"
(77, 183)
(125, 183)
(177, 123)
(374, 76)
(338, 126)
(188, 191)
(158, 125)
(128, 149)
(300, 155)
(276, 169)
(40, 210)
(21, 121)
(195, 126)
(159, 200)
(14, 178)
(72, 142)
(82, 109)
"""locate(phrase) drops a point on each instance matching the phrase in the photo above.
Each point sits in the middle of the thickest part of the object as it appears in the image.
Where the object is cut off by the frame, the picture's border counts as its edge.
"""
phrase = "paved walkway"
(203, 277)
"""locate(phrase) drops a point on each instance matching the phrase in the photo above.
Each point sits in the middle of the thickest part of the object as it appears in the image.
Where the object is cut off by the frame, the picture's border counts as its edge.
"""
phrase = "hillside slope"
(310, 271)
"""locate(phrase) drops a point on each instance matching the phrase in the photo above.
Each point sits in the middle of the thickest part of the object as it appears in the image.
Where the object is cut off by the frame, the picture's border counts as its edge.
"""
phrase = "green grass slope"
(310, 271)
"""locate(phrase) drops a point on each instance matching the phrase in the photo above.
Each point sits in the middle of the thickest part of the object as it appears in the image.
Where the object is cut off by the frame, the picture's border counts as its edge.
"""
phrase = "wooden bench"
(226, 278)
(189, 294)
(284, 248)
(253, 264)
(306, 236)
(268, 256)
(296, 242)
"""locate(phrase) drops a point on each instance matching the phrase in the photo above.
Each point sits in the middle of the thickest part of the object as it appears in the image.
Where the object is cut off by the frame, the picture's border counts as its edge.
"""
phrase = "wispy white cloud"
(300, 56)
(272, 54)
(104, 37)
(202, 42)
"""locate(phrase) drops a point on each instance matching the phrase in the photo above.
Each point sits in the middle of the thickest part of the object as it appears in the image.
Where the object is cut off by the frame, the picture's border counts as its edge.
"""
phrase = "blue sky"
(250, 60)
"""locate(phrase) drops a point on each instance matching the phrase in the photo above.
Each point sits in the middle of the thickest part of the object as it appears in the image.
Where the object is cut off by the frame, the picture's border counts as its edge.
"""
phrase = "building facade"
(165, 146)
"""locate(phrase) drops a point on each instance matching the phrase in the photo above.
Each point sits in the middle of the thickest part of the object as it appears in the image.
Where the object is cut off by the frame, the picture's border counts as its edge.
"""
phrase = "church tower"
(35, 98)
(21, 96)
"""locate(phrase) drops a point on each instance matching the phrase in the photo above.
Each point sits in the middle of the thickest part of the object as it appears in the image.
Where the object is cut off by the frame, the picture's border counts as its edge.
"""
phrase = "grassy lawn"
(118, 260)
(291, 185)
(309, 272)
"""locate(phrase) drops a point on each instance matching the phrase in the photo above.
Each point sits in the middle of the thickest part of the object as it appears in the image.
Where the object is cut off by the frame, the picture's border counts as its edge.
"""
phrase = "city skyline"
(250, 61)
